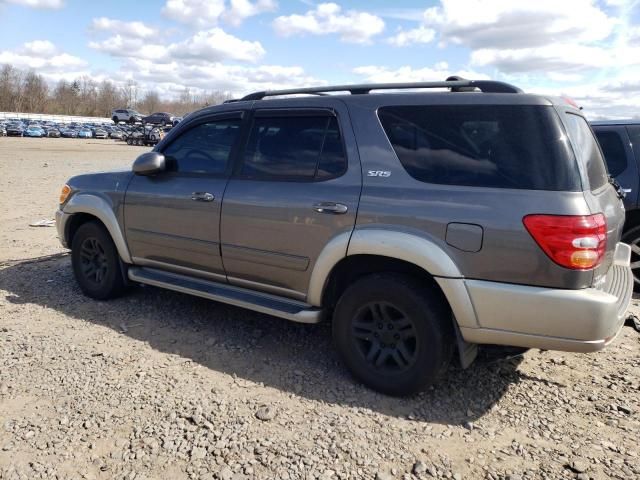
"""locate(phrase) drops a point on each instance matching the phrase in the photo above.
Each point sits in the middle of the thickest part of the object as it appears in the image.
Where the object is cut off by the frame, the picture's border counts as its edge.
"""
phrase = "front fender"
(100, 208)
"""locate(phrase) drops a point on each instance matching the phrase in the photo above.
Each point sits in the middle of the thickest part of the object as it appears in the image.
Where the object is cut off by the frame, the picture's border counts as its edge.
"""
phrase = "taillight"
(577, 242)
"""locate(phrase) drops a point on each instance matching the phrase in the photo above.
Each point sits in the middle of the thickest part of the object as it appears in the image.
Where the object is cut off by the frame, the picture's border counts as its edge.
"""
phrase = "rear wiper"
(619, 190)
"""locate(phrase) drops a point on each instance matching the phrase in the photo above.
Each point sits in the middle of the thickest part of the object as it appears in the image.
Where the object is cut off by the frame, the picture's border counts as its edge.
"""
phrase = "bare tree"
(151, 102)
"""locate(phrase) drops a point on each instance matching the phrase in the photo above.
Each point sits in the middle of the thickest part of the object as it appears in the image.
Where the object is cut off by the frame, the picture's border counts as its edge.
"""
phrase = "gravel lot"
(162, 385)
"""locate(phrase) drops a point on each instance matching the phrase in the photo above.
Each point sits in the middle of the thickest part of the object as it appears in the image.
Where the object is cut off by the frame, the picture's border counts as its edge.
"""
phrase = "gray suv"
(420, 224)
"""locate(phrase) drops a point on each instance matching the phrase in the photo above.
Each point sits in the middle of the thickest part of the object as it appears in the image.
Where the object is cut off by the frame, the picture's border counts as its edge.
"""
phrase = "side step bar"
(220, 292)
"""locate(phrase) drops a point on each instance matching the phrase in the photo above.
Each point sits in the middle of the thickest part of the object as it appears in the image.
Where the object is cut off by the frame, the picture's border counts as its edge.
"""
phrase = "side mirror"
(149, 163)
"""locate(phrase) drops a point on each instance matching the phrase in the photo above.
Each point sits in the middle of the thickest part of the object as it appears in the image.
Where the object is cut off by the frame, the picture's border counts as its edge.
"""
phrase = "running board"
(220, 292)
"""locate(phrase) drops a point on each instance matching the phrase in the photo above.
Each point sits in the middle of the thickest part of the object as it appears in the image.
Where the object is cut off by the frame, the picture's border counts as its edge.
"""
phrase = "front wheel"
(96, 263)
(632, 238)
(393, 333)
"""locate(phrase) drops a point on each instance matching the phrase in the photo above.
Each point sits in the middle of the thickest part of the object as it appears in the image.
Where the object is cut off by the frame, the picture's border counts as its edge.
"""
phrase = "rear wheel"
(393, 333)
(632, 238)
(96, 263)
(132, 120)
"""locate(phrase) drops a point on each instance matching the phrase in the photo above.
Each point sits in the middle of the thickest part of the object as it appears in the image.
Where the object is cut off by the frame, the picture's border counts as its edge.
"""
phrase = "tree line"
(29, 92)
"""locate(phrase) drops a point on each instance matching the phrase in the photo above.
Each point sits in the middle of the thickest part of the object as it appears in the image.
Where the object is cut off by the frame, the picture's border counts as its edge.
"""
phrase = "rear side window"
(613, 150)
(498, 146)
(204, 148)
(587, 150)
(296, 147)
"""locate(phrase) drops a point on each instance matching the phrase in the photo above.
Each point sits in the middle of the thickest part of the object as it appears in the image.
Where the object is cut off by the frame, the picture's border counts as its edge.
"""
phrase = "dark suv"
(620, 143)
(418, 223)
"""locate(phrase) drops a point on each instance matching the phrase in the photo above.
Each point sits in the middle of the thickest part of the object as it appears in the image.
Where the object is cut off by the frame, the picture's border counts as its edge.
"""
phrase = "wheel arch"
(85, 207)
(374, 250)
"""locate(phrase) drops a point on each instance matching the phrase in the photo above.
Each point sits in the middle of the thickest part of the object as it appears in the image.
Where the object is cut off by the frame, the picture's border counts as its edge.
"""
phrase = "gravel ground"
(162, 385)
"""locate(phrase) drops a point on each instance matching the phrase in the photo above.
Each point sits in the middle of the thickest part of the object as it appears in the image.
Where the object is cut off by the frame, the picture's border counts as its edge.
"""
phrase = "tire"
(96, 263)
(632, 238)
(115, 120)
(403, 308)
(132, 120)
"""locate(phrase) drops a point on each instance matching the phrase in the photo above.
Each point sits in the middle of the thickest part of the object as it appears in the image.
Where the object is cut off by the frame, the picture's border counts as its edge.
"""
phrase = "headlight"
(64, 194)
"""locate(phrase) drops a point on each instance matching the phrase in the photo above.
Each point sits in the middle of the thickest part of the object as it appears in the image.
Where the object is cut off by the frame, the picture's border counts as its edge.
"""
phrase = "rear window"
(587, 150)
(498, 146)
(614, 152)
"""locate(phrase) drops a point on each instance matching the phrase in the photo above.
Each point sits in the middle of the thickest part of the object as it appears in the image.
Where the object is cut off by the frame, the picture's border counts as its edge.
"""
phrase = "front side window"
(296, 147)
(587, 150)
(204, 148)
(613, 150)
(496, 146)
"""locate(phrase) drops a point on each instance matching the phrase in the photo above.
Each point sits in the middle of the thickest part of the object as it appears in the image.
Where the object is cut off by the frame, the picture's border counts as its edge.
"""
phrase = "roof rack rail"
(456, 84)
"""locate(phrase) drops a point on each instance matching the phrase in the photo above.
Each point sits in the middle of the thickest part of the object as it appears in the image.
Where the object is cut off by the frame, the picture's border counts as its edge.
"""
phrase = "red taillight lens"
(577, 242)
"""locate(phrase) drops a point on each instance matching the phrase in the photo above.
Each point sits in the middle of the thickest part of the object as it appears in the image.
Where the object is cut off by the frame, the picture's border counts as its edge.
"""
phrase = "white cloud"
(131, 47)
(208, 13)
(327, 18)
(243, 9)
(172, 78)
(206, 46)
(563, 58)
(131, 29)
(43, 57)
(199, 13)
(51, 4)
(508, 24)
(421, 35)
(215, 45)
(439, 72)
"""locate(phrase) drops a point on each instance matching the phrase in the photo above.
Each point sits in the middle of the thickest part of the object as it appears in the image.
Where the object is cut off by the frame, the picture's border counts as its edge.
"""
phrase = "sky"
(588, 50)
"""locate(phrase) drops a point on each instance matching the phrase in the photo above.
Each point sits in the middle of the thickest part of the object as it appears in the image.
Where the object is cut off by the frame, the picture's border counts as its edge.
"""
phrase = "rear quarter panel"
(508, 253)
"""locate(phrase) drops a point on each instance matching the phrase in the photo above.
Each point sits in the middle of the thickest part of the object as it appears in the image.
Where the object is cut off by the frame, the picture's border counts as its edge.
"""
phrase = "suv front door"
(296, 186)
(172, 220)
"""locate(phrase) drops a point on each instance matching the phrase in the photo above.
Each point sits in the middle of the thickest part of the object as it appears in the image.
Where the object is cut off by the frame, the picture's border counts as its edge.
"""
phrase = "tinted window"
(587, 150)
(613, 150)
(204, 148)
(294, 147)
(499, 146)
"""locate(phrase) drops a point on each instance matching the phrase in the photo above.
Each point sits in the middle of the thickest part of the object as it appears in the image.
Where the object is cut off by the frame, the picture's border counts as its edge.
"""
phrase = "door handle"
(202, 197)
(330, 207)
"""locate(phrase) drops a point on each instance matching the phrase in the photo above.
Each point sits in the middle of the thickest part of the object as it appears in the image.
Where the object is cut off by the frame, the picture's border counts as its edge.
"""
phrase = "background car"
(15, 130)
(53, 133)
(34, 131)
(126, 115)
(69, 133)
(85, 133)
(159, 118)
(100, 133)
(620, 143)
(116, 134)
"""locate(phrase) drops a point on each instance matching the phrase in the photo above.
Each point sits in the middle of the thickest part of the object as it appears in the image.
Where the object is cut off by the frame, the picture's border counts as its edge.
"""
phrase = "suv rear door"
(296, 186)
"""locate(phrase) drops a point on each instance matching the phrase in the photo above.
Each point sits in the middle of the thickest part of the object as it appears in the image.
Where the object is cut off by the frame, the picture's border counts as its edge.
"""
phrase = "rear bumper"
(572, 320)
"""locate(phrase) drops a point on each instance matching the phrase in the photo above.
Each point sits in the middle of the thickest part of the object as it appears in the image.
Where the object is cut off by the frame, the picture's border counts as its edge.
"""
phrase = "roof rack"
(455, 83)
